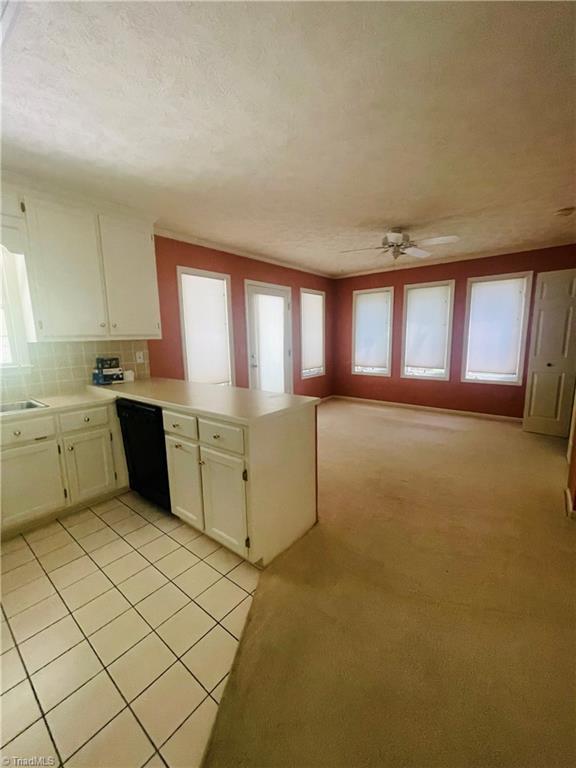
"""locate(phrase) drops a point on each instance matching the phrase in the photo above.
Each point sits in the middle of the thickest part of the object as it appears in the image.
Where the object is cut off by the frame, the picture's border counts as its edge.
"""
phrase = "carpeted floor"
(428, 621)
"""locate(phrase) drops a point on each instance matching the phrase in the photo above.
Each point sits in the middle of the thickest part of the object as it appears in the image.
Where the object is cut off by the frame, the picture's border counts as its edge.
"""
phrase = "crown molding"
(395, 267)
(186, 238)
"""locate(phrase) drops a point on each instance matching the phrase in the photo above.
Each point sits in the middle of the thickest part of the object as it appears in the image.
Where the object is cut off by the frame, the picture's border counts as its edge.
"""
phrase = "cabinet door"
(224, 493)
(32, 482)
(131, 281)
(90, 465)
(66, 271)
(185, 481)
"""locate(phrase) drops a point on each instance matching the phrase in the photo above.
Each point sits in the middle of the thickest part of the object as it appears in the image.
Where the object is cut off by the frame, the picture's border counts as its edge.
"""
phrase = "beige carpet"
(428, 620)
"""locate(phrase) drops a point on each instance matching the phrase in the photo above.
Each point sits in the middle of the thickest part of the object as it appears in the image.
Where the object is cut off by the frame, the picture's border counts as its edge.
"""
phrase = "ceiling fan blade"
(357, 250)
(417, 253)
(439, 240)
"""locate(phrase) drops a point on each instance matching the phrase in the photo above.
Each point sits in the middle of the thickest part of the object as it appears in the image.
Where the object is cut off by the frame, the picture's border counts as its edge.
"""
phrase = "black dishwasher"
(143, 436)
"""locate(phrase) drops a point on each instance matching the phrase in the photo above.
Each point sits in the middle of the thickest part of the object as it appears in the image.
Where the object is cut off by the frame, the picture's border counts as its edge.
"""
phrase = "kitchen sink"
(21, 405)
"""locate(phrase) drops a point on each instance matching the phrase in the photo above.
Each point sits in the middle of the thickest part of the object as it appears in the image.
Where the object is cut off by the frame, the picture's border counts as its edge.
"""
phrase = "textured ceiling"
(296, 130)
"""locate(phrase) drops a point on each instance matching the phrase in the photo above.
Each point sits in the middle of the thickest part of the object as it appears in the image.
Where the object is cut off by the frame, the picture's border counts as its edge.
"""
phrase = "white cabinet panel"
(31, 482)
(90, 465)
(131, 282)
(67, 282)
(185, 481)
(224, 499)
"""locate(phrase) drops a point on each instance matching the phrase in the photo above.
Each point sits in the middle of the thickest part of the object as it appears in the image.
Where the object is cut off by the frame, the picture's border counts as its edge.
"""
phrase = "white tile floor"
(119, 627)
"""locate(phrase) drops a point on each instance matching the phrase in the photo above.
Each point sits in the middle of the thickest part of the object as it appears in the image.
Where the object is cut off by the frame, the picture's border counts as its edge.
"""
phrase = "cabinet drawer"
(90, 417)
(221, 435)
(28, 429)
(186, 426)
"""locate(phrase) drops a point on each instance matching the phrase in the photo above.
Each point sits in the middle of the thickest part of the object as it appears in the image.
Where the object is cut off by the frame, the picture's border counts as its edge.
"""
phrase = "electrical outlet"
(139, 357)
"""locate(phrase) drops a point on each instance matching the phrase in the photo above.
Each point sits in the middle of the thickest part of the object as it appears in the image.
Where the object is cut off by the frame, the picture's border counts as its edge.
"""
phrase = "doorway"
(269, 331)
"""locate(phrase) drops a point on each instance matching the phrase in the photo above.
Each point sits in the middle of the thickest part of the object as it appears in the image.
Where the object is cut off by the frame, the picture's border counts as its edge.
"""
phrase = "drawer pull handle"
(175, 426)
(86, 418)
(16, 433)
(215, 437)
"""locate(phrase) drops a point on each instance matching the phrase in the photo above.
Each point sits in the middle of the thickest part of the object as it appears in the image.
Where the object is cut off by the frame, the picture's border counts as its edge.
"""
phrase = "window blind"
(372, 320)
(312, 328)
(427, 330)
(495, 329)
(206, 328)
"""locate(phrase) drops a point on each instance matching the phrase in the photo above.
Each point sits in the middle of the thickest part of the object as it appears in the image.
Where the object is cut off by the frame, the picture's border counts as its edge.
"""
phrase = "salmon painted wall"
(166, 359)
(501, 399)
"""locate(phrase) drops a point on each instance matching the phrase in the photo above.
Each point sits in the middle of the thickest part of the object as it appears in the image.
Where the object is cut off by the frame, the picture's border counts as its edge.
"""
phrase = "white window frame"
(517, 382)
(407, 288)
(14, 312)
(385, 289)
(219, 276)
(322, 371)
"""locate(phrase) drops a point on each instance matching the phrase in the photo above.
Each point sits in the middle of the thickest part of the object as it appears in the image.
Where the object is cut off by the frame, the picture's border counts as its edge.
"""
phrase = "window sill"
(312, 375)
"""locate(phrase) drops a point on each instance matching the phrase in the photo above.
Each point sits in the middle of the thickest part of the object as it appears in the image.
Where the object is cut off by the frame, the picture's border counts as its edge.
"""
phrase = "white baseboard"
(474, 414)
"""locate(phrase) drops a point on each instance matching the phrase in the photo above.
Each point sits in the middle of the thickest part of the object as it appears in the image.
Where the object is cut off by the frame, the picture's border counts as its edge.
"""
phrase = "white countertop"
(233, 403)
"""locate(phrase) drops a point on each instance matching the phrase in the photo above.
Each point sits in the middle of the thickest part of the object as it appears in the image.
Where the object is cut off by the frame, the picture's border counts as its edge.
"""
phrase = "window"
(371, 335)
(312, 333)
(206, 331)
(497, 319)
(16, 318)
(427, 330)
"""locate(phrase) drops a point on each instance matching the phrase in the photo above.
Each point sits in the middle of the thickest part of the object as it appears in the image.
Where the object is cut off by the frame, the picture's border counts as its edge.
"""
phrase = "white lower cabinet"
(90, 464)
(185, 481)
(224, 494)
(32, 482)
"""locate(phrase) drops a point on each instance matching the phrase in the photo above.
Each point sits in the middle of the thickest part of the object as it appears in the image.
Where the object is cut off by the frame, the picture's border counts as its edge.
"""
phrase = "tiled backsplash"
(64, 367)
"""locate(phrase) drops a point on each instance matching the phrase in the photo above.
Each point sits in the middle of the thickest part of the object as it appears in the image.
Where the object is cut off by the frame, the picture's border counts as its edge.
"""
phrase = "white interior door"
(268, 312)
(552, 364)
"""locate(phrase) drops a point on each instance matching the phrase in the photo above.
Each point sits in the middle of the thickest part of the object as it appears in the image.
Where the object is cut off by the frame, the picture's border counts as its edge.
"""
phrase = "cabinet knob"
(175, 426)
(215, 437)
(178, 445)
(114, 325)
(70, 447)
(86, 419)
(201, 463)
(102, 325)
(16, 433)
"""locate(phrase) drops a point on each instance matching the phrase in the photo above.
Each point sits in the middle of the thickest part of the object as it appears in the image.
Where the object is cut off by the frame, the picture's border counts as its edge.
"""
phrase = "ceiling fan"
(398, 243)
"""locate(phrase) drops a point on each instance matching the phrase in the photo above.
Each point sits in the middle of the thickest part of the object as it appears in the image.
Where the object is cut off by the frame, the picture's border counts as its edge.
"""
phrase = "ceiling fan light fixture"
(394, 237)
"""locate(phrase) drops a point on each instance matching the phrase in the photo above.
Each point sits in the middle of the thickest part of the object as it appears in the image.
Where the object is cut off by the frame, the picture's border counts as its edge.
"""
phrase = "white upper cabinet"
(92, 274)
(67, 281)
(130, 272)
